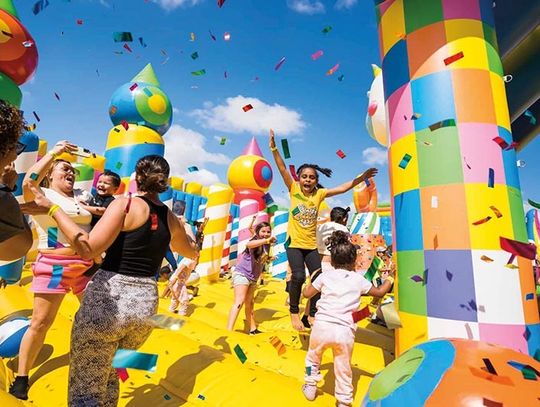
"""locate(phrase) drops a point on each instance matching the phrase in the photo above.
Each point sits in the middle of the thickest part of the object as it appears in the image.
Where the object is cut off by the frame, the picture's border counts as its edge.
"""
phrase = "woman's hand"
(272, 240)
(63, 146)
(272, 140)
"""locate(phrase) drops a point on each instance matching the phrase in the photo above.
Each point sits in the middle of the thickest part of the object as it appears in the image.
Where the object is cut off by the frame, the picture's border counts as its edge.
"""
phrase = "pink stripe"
(510, 336)
(400, 111)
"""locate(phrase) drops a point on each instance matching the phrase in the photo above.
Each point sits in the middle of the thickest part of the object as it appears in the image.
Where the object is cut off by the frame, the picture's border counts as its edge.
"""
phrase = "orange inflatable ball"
(18, 52)
(457, 372)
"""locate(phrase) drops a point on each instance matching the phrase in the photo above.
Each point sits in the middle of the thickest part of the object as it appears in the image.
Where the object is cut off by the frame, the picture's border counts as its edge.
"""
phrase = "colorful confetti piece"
(193, 168)
(405, 161)
(332, 70)
(442, 123)
(278, 345)
(240, 354)
(247, 107)
(278, 65)
(292, 170)
(122, 36)
(131, 359)
(285, 147)
(486, 259)
(340, 154)
(453, 58)
(200, 72)
(317, 55)
(482, 221)
(526, 250)
(491, 178)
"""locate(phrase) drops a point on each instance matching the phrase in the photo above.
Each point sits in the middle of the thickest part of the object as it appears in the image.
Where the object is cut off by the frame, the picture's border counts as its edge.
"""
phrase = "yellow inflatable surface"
(197, 364)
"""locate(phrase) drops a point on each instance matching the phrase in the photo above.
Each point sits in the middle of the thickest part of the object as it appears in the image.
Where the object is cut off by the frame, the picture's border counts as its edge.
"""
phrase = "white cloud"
(375, 156)
(306, 6)
(172, 4)
(345, 4)
(186, 148)
(229, 117)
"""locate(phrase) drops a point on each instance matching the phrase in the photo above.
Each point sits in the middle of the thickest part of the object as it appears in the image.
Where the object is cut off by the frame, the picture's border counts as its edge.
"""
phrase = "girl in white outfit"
(340, 288)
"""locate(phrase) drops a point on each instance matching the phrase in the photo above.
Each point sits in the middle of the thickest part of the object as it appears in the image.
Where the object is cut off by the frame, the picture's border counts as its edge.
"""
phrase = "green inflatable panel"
(9, 91)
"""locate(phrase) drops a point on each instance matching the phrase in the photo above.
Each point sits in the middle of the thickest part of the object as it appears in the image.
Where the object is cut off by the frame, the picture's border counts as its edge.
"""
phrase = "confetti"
(222, 141)
(57, 96)
(327, 29)
(285, 147)
(36, 116)
(193, 168)
(227, 36)
(192, 36)
(453, 58)
(127, 47)
(529, 296)
(278, 65)
(131, 359)
(497, 212)
(442, 123)
(532, 119)
(449, 275)
(240, 353)
(57, 272)
(220, 3)
(332, 70)
(201, 397)
(278, 345)
(491, 178)
(416, 116)
(405, 161)
(500, 141)
(317, 55)
(292, 170)
(486, 259)
(417, 279)
(533, 204)
(489, 366)
(268, 200)
(520, 163)
(527, 250)
(122, 374)
(40, 6)
(225, 74)
(133, 87)
(113, 110)
(141, 41)
(482, 221)
(167, 397)
(340, 154)
(199, 72)
(508, 78)
(79, 22)
(195, 55)
(361, 314)
(308, 370)
(434, 202)
(341, 77)
(28, 44)
(34, 176)
(247, 107)
(212, 35)
(122, 36)
(125, 124)
(491, 403)
(470, 335)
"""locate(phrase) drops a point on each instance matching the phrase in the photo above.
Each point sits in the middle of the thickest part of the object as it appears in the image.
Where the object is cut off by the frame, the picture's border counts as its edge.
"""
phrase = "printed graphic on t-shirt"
(305, 216)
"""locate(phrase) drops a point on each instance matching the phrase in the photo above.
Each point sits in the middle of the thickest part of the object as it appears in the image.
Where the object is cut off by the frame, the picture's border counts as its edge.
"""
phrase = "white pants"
(340, 339)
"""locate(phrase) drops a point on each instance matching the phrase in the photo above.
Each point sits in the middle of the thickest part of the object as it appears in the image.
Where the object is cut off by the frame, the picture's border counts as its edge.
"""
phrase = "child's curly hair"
(342, 251)
(11, 127)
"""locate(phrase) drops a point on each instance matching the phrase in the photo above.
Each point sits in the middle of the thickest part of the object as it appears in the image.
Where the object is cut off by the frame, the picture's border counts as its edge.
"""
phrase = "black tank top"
(139, 252)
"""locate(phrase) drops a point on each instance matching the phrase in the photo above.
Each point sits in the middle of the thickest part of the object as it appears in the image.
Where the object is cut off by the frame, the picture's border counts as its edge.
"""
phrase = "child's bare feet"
(296, 322)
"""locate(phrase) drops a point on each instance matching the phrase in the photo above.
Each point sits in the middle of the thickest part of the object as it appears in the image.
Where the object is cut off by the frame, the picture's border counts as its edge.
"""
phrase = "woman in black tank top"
(122, 295)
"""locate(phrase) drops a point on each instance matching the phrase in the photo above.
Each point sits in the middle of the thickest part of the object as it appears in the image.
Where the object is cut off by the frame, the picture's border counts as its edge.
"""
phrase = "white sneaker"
(310, 391)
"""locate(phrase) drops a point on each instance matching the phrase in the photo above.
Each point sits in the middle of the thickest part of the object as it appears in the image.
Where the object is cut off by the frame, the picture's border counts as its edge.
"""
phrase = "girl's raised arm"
(371, 172)
(279, 161)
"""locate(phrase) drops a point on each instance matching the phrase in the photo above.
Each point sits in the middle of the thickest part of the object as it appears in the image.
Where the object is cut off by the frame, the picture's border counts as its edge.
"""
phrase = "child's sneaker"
(310, 391)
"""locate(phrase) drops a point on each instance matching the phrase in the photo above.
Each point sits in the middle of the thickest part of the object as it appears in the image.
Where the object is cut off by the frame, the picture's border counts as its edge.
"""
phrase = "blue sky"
(317, 113)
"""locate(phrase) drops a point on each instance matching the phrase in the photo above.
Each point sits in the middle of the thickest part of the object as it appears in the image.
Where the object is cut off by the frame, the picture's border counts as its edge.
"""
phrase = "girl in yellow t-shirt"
(306, 196)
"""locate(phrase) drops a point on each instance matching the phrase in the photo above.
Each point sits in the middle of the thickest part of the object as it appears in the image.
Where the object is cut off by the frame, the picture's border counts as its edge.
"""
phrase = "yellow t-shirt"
(302, 228)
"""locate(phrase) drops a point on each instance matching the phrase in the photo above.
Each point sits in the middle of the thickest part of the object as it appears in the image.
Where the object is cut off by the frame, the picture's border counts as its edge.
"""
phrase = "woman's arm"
(94, 210)
(37, 172)
(279, 161)
(180, 242)
(371, 172)
(260, 242)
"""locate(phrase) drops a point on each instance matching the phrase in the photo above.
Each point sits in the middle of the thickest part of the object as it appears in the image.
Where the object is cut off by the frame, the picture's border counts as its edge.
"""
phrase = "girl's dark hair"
(11, 127)
(258, 251)
(152, 174)
(342, 251)
(339, 214)
(325, 171)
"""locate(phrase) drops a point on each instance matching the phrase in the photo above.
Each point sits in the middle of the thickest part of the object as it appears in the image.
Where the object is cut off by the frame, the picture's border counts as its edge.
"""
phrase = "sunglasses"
(20, 147)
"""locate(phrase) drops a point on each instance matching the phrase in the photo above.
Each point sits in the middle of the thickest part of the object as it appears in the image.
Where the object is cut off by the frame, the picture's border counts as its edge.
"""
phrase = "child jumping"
(306, 196)
(247, 273)
(334, 327)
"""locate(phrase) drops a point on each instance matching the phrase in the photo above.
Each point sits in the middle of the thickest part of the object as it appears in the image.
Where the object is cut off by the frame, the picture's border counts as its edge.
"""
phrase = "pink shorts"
(60, 274)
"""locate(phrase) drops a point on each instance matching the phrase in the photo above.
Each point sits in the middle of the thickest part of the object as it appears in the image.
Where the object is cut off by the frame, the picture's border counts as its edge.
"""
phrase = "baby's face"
(105, 185)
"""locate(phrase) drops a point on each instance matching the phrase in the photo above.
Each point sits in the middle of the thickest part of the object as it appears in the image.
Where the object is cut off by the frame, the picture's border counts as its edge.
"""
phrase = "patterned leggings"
(114, 315)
